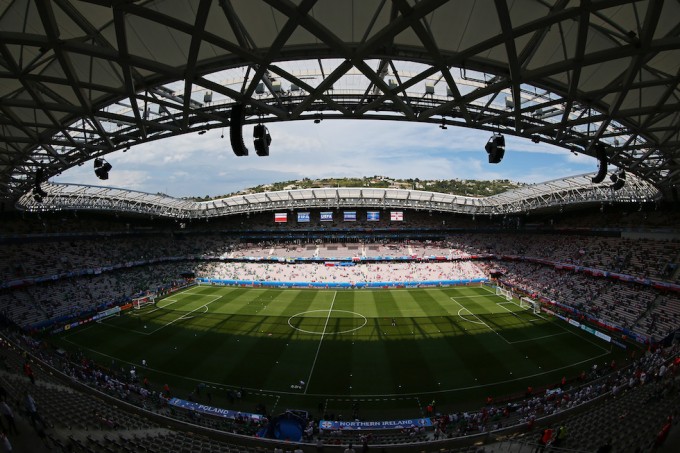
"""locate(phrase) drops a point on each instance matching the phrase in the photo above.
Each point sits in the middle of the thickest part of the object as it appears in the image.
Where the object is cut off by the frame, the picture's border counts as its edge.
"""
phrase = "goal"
(141, 302)
(106, 314)
(530, 304)
(503, 293)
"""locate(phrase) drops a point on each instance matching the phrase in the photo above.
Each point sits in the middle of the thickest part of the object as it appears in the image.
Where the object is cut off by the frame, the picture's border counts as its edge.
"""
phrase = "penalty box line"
(566, 330)
(478, 319)
(484, 296)
(172, 300)
(181, 317)
(500, 304)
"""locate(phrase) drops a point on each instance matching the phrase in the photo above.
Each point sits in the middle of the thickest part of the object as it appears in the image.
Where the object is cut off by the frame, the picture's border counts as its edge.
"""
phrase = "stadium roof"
(575, 190)
(81, 79)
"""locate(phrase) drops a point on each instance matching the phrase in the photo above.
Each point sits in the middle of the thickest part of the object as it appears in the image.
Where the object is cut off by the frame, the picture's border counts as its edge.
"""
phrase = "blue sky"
(199, 165)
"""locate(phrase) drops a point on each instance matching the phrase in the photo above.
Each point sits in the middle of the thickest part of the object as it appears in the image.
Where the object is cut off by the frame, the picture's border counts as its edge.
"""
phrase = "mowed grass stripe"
(437, 346)
(430, 303)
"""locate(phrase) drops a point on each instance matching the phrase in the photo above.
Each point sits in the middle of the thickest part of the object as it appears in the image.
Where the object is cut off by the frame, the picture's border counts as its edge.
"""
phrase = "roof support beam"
(515, 69)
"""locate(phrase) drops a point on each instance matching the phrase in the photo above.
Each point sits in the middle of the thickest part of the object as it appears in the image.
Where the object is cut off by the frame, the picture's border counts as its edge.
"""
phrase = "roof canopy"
(575, 190)
(81, 79)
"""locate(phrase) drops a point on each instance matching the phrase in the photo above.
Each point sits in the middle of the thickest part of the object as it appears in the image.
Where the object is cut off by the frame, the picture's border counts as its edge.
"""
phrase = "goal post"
(141, 302)
(503, 293)
(106, 314)
(530, 304)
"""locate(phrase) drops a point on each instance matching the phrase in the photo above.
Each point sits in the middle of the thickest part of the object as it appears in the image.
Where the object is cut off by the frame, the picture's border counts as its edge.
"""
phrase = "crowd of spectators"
(656, 369)
(25, 259)
(157, 259)
(67, 297)
(111, 260)
(319, 272)
(644, 258)
(640, 308)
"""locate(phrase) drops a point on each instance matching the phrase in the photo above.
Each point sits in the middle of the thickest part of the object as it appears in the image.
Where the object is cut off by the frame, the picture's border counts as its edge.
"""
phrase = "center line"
(309, 379)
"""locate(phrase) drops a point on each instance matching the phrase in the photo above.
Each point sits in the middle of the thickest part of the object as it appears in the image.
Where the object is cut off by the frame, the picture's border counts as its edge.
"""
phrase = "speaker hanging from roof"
(261, 139)
(38, 192)
(619, 179)
(495, 148)
(236, 121)
(102, 168)
(601, 154)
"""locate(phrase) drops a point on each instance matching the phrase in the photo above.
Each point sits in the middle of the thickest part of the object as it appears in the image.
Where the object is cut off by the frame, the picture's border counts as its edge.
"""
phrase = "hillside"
(469, 187)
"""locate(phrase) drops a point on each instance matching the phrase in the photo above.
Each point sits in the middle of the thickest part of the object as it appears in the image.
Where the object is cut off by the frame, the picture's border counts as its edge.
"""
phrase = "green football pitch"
(389, 352)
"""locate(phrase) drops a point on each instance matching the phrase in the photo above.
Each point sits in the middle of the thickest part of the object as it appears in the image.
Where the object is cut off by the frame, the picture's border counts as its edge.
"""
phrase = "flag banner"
(280, 217)
(215, 411)
(374, 425)
(350, 216)
(373, 216)
(327, 216)
(397, 216)
(303, 217)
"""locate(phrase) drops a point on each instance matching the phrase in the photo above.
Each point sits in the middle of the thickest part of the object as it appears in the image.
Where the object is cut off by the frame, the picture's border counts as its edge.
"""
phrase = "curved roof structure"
(81, 79)
(551, 194)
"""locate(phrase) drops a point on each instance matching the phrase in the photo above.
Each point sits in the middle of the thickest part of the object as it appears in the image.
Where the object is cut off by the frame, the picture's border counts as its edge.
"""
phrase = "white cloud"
(580, 158)
(197, 165)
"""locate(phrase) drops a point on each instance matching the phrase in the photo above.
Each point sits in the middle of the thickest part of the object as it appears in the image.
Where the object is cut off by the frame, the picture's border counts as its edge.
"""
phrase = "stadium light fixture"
(38, 192)
(618, 179)
(261, 139)
(102, 168)
(495, 148)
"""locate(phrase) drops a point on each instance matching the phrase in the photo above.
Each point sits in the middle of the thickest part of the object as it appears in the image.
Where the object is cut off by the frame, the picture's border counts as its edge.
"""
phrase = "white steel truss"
(558, 193)
(80, 79)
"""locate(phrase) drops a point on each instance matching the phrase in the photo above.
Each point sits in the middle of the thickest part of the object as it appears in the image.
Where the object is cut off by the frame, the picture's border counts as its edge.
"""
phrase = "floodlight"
(261, 139)
(619, 179)
(102, 168)
(38, 193)
(495, 147)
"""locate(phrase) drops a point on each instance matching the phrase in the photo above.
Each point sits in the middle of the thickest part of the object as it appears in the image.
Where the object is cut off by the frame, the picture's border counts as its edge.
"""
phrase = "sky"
(199, 165)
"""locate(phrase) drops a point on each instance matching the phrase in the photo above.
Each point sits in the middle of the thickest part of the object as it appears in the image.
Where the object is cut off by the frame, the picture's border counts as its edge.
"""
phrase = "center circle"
(326, 332)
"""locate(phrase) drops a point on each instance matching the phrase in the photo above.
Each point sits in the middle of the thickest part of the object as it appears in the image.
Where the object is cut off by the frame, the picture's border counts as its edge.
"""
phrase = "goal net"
(503, 293)
(141, 302)
(530, 304)
(106, 314)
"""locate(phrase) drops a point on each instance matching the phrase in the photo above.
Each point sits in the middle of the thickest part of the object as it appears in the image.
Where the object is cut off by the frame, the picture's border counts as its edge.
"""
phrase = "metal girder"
(573, 190)
(81, 79)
